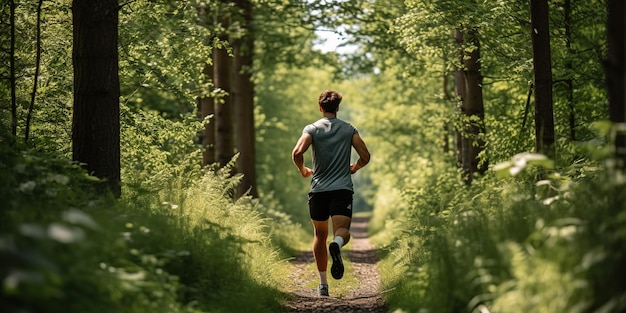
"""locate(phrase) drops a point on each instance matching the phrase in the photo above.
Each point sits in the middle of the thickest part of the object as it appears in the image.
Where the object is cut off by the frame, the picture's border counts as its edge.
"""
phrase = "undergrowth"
(542, 240)
(175, 242)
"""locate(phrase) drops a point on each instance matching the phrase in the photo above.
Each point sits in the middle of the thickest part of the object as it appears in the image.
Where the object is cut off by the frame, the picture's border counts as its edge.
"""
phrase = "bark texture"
(542, 64)
(224, 146)
(96, 112)
(616, 73)
(243, 99)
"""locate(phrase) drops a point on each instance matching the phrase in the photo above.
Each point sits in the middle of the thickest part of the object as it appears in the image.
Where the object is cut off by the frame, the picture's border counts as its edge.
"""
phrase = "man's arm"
(361, 150)
(297, 155)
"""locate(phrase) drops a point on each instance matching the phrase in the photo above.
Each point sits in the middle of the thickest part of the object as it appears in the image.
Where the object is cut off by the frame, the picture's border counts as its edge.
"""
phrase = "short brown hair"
(329, 100)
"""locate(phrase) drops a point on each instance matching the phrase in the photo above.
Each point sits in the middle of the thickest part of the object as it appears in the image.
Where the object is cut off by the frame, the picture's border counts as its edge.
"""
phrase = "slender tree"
(206, 102)
(37, 66)
(96, 112)
(616, 74)
(224, 145)
(544, 115)
(206, 110)
(459, 90)
(445, 146)
(243, 99)
(569, 66)
(12, 78)
(468, 86)
(473, 105)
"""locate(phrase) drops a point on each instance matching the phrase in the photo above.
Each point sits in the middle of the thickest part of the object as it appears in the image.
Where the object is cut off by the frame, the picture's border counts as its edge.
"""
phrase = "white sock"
(339, 241)
(323, 279)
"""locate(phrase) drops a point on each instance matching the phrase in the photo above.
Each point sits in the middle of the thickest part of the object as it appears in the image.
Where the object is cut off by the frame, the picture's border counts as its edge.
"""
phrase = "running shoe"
(322, 290)
(336, 270)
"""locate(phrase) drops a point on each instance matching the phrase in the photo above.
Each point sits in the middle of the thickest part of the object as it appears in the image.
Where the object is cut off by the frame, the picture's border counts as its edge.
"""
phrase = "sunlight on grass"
(499, 245)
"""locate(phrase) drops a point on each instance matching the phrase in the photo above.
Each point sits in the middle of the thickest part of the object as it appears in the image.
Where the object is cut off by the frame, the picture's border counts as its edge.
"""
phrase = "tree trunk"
(459, 90)
(468, 87)
(473, 105)
(223, 107)
(616, 74)
(243, 49)
(206, 102)
(12, 78)
(37, 66)
(544, 116)
(445, 146)
(569, 66)
(207, 108)
(96, 122)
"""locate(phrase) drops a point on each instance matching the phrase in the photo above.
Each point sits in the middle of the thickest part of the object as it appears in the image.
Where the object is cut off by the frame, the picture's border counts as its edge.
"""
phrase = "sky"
(330, 40)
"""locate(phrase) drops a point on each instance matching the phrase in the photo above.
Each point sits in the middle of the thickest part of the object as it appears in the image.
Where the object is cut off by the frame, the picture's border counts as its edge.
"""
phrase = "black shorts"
(329, 203)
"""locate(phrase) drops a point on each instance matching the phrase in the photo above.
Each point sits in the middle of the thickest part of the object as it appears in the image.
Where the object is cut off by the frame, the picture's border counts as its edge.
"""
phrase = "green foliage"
(501, 245)
(163, 52)
(152, 145)
(177, 240)
(219, 249)
(519, 163)
(51, 116)
(513, 245)
(285, 108)
(31, 180)
(426, 31)
(284, 34)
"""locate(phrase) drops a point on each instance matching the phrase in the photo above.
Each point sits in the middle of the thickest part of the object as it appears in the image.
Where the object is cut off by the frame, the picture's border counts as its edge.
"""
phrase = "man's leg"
(341, 232)
(341, 227)
(319, 248)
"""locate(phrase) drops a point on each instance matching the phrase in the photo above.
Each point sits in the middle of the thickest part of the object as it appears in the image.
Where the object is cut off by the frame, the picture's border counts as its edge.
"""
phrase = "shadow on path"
(365, 298)
(358, 231)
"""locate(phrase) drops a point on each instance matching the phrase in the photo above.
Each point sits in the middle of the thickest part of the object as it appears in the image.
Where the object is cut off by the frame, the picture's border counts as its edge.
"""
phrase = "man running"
(331, 185)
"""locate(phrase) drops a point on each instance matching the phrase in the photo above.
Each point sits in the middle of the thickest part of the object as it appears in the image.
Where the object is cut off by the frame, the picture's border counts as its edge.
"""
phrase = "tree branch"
(119, 7)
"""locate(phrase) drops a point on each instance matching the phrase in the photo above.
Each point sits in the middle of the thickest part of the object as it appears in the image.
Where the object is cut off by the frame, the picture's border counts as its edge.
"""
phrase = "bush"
(514, 244)
(176, 240)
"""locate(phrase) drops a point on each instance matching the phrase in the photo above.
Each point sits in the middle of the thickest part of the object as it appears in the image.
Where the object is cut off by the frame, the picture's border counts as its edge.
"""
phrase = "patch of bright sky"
(328, 39)
(336, 41)
(333, 40)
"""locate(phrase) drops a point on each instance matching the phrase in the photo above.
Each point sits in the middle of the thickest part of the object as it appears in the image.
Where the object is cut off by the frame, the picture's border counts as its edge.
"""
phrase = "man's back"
(332, 145)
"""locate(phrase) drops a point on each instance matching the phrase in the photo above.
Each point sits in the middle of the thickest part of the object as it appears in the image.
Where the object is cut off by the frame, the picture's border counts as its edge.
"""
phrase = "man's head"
(329, 101)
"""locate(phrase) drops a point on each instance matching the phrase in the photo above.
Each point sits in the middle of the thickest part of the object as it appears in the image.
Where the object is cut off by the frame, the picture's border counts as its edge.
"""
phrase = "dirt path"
(365, 298)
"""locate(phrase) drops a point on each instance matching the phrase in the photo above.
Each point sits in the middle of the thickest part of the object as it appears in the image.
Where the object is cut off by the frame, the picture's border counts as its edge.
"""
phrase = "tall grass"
(175, 242)
(513, 244)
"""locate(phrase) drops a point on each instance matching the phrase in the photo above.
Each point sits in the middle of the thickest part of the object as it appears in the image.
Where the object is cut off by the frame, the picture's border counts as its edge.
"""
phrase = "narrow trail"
(366, 297)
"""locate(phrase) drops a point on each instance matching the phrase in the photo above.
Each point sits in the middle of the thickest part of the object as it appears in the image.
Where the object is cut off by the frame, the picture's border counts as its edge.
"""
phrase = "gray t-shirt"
(332, 145)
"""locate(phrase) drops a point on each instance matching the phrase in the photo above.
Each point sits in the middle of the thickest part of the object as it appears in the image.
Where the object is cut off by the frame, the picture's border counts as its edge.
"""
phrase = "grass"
(178, 240)
(185, 246)
(510, 245)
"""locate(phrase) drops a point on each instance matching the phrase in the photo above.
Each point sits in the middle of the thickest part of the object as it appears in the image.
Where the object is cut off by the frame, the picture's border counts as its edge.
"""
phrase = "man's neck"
(329, 115)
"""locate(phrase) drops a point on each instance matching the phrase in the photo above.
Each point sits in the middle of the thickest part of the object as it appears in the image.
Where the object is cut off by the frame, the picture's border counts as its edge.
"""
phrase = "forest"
(145, 151)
